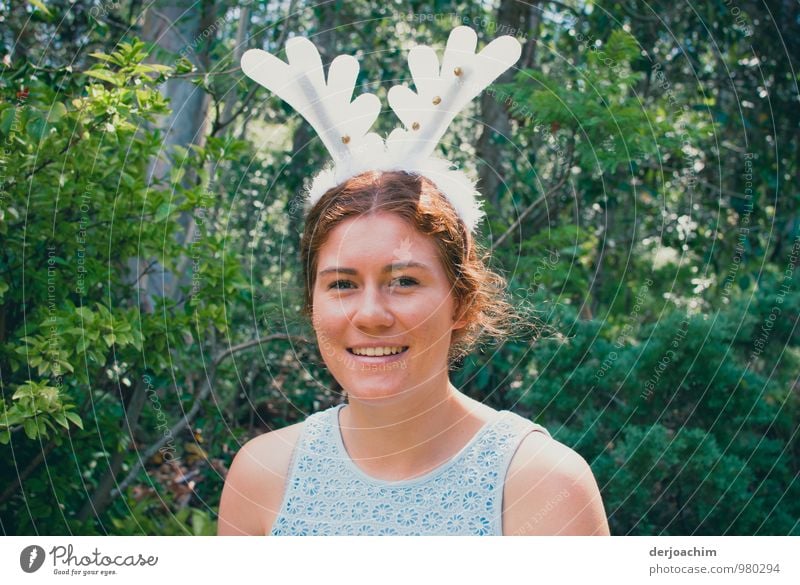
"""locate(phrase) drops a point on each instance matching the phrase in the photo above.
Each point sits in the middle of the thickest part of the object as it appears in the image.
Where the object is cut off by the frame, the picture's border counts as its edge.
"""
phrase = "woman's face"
(369, 293)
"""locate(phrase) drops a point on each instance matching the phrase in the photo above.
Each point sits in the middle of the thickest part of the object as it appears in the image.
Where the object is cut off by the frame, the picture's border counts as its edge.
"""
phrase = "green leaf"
(7, 119)
(86, 314)
(179, 152)
(5, 437)
(103, 310)
(176, 174)
(40, 5)
(143, 97)
(128, 180)
(57, 112)
(24, 391)
(105, 76)
(30, 427)
(183, 65)
(66, 365)
(82, 344)
(162, 212)
(104, 57)
(36, 128)
(11, 417)
(75, 419)
(61, 419)
(109, 338)
(152, 67)
(137, 339)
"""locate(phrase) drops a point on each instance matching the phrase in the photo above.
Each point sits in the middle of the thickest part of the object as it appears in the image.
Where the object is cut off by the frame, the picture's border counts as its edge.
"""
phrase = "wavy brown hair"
(478, 291)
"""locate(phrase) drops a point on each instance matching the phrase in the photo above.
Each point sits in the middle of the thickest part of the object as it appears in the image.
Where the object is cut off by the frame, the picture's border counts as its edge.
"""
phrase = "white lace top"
(327, 494)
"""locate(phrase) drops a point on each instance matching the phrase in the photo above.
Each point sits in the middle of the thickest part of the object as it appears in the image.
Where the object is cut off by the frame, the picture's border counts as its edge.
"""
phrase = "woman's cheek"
(325, 342)
(336, 357)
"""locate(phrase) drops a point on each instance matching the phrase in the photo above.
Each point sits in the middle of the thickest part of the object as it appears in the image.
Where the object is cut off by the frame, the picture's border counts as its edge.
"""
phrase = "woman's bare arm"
(254, 487)
(551, 490)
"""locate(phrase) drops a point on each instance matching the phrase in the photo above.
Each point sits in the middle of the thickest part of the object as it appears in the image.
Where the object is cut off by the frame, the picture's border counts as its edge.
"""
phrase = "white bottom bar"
(424, 560)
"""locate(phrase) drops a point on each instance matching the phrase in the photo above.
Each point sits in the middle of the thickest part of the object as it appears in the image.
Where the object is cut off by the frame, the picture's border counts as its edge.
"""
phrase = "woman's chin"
(373, 394)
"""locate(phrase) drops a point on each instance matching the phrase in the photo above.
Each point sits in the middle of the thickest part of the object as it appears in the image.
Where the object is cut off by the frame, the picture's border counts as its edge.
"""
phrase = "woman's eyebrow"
(387, 268)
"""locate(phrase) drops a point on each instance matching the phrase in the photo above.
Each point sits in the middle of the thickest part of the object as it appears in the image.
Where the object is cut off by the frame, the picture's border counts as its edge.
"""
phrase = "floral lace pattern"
(327, 494)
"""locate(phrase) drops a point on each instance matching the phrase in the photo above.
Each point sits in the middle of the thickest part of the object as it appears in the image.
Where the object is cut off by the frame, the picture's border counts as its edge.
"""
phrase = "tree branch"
(219, 123)
(17, 481)
(535, 204)
(202, 395)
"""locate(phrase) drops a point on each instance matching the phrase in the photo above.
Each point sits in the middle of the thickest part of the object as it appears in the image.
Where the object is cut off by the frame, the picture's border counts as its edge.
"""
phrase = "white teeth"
(377, 351)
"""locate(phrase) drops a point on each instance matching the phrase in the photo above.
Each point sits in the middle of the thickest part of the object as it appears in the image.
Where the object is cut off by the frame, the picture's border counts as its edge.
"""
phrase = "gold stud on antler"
(415, 126)
(345, 139)
(437, 100)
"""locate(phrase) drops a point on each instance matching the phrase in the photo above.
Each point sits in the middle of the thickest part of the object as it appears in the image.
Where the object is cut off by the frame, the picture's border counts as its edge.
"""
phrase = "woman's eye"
(336, 283)
(403, 279)
(407, 279)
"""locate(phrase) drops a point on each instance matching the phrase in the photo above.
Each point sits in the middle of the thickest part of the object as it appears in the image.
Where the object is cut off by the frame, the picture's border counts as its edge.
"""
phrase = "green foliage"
(35, 408)
(75, 348)
(665, 482)
(595, 104)
(659, 258)
(699, 424)
(152, 516)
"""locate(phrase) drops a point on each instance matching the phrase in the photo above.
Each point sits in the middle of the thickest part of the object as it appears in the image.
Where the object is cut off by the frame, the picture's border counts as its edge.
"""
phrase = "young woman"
(396, 291)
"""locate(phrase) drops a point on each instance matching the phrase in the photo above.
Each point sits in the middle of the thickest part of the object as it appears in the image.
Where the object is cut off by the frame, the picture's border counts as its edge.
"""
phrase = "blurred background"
(640, 171)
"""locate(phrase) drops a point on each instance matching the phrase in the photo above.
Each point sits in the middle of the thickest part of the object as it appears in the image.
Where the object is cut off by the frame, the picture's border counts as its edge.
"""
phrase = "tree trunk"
(238, 50)
(102, 495)
(179, 28)
(493, 147)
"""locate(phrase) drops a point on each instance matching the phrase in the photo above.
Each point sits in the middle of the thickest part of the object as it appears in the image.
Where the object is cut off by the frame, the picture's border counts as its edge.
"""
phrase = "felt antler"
(341, 124)
(442, 93)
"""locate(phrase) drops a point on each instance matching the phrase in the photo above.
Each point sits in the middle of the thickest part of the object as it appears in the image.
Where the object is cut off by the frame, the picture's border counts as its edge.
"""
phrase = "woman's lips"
(374, 359)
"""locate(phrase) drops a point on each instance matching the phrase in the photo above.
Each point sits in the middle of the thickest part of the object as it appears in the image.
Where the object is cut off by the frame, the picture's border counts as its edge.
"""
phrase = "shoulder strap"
(311, 441)
(511, 421)
(512, 430)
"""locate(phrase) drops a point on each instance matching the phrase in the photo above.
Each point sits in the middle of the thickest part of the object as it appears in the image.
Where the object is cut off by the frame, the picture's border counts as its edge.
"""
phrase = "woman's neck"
(412, 435)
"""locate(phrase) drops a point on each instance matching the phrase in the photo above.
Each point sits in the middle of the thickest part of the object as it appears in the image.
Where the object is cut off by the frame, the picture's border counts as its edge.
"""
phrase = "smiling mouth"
(404, 350)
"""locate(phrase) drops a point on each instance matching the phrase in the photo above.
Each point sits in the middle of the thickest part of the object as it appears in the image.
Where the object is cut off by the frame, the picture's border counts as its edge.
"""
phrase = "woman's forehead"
(379, 232)
(378, 240)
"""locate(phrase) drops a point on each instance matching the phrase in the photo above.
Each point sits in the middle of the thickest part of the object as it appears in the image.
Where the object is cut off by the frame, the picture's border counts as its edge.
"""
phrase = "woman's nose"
(372, 309)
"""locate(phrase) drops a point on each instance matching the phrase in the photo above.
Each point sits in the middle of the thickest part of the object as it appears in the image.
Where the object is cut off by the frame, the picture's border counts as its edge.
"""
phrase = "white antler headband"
(342, 125)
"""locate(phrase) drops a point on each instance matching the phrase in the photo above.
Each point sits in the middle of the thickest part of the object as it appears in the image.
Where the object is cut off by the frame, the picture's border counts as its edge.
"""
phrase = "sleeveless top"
(327, 494)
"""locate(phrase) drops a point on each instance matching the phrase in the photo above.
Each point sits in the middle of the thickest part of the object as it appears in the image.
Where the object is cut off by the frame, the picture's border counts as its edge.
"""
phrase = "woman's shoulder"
(272, 451)
(550, 489)
(255, 482)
